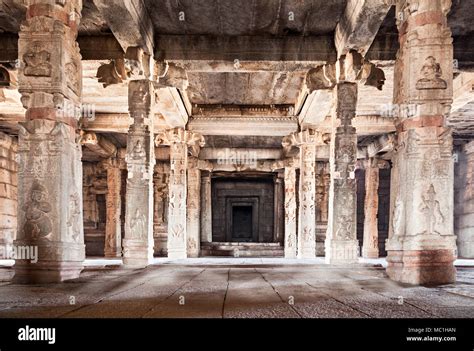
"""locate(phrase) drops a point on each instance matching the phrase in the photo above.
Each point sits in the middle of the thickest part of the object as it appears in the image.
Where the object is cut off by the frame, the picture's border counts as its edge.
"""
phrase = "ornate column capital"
(193, 140)
(307, 136)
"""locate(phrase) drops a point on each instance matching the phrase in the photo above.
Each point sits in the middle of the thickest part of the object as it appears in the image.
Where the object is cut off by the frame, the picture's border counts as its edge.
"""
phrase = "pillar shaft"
(113, 225)
(160, 204)
(206, 209)
(307, 193)
(138, 241)
(177, 223)
(341, 238)
(193, 208)
(50, 169)
(181, 142)
(370, 247)
(290, 212)
(421, 246)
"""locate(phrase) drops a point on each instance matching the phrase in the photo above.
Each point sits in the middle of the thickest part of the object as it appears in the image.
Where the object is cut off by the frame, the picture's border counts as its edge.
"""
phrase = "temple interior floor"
(237, 287)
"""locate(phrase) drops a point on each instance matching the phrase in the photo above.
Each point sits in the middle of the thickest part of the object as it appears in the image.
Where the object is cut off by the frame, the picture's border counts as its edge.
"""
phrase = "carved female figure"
(38, 224)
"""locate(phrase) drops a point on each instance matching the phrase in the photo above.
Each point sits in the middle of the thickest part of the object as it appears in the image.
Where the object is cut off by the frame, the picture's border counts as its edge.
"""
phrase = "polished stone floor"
(232, 288)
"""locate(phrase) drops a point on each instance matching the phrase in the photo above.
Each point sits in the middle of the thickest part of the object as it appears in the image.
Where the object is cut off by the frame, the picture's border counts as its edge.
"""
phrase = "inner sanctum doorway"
(244, 209)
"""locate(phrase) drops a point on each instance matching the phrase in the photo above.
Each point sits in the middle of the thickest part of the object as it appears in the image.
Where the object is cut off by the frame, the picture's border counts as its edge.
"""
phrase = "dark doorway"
(242, 223)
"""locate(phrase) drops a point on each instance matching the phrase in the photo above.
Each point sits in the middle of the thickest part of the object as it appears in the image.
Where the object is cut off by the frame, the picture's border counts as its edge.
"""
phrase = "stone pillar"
(193, 208)
(50, 169)
(179, 140)
(370, 245)
(8, 190)
(341, 238)
(113, 225)
(422, 246)
(464, 201)
(206, 209)
(160, 204)
(140, 158)
(290, 212)
(322, 197)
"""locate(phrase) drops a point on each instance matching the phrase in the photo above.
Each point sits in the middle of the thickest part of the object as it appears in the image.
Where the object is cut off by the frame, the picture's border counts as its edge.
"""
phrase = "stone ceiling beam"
(129, 22)
(359, 25)
(253, 126)
(316, 108)
(245, 48)
(100, 47)
(198, 66)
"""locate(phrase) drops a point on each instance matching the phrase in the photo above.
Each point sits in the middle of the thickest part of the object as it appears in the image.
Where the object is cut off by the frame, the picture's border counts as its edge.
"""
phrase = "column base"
(342, 252)
(45, 272)
(306, 253)
(422, 267)
(177, 255)
(370, 252)
(113, 255)
(137, 254)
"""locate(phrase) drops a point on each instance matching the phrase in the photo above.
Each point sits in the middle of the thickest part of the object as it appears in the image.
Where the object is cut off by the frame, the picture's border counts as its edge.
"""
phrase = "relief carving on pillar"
(177, 232)
(431, 76)
(430, 209)
(38, 224)
(73, 222)
(37, 61)
(138, 225)
(291, 240)
(344, 227)
(191, 244)
(160, 197)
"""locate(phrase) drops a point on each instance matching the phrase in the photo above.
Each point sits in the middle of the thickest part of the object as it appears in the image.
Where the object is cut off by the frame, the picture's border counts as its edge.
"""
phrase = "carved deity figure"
(397, 216)
(430, 208)
(344, 231)
(38, 224)
(138, 150)
(138, 225)
(74, 215)
(291, 239)
(431, 75)
(37, 62)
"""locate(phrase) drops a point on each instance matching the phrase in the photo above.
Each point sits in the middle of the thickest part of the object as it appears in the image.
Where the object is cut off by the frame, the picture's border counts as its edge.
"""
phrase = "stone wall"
(8, 188)
(464, 201)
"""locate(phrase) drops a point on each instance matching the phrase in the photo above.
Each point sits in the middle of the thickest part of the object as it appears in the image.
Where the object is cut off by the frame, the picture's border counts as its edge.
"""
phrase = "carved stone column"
(179, 141)
(341, 238)
(113, 225)
(160, 204)
(290, 212)
(193, 208)
(138, 241)
(50, 169)
(370, 245)
(307, 142)
(422, 246)
(206, 209)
